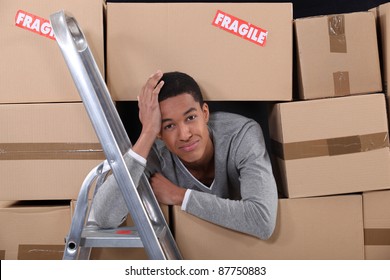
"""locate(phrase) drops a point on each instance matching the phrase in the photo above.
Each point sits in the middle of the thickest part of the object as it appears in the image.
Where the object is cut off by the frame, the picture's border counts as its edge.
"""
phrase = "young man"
(214, 165)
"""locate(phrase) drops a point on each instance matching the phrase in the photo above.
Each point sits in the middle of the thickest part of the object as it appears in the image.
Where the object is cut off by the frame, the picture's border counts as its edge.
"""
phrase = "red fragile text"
(240, 28)
(34, 23)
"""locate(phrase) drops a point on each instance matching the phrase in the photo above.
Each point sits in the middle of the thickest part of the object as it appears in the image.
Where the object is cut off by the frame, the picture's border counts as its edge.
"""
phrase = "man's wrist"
(144, 143)
(137, 157)
(185, 200)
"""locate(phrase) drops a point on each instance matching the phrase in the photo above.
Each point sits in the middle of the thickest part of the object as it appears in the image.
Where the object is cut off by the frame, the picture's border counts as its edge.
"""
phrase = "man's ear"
(206, 112)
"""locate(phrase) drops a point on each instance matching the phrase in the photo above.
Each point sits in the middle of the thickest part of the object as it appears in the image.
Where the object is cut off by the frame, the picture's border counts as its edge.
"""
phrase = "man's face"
(184, 128)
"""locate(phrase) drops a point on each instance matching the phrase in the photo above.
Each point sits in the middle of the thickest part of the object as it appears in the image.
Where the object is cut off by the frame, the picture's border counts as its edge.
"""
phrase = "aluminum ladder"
(151, 230)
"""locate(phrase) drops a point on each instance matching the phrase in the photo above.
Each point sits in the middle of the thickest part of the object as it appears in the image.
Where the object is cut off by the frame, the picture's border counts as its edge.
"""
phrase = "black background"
(257, 110)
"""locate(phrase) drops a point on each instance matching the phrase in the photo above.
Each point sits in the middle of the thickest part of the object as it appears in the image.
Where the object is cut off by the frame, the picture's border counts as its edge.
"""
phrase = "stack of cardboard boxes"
(376, 204)
(335, 140)
(47, 144)
(330, 150)
(383, 22)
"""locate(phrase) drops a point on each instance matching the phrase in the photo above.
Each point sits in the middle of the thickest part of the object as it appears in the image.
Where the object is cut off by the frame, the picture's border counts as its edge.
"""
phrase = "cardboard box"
(47, 150)
(331, 146)
(192, 38)
(388, 109)
(376, 213)
(337, 55)
(383, 13)
(307, 228)
(33, 230)
(121, 253)
(32, 68)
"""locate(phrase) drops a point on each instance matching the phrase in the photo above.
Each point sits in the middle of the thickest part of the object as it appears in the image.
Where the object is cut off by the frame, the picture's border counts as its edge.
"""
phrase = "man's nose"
(184, 132)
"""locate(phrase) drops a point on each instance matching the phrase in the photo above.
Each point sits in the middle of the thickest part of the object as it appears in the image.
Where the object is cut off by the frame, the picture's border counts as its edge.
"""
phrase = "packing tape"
(331, 146)
(336, 30)
(338, 44)
(377, 236)
(43, 151)
(341, 83)
(40, 252)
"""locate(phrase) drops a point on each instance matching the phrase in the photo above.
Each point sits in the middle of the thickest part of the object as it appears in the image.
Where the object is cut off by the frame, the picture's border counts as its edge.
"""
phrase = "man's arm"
(255, 213)
(149, 114)
(165, 191)
(109, 208)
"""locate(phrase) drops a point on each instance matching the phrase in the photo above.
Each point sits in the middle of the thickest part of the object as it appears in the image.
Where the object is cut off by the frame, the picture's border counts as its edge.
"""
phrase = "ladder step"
(125, 237)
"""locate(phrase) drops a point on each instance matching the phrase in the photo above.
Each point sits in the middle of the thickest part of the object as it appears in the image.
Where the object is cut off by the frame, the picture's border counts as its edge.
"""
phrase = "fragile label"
(240, 28)
(34, 23)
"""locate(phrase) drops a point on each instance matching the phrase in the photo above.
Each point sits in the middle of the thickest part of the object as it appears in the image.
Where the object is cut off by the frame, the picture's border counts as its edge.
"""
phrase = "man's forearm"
(144, 144)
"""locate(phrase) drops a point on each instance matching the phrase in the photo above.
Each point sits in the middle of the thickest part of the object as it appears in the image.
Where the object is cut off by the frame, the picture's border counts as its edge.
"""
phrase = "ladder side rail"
(85, 253)
(136, 208)
(80, 214)
(86, 76)
(170, 247)
(104, 100)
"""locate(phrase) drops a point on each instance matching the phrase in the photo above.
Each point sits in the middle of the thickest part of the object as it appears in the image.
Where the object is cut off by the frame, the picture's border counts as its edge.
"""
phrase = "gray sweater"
(243, 196)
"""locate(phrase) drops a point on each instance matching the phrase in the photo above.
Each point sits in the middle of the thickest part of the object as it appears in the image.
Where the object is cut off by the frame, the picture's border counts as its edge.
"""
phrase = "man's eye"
(191, 118)
(169, 126)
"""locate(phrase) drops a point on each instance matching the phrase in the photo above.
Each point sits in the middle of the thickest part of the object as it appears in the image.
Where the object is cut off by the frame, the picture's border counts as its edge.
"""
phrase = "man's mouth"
(189, 147)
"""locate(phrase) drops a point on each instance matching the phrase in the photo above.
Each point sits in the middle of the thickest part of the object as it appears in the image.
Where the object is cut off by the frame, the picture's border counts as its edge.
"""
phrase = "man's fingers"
(157, 89)
(153, 80)
(152, 87)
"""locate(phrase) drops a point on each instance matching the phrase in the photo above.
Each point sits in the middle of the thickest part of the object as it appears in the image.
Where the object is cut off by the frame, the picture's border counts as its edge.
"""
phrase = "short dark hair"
(176, 83)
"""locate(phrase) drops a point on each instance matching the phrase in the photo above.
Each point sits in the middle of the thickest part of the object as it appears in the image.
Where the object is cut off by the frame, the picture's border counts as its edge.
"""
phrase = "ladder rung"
(119, 237)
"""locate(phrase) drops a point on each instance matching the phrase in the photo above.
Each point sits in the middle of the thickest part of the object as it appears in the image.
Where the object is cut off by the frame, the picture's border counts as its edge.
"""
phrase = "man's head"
(184, 118)
(176, 83)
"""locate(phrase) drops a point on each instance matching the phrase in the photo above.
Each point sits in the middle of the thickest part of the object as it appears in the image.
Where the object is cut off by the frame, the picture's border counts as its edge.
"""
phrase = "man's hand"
(149, 109)
(149, 114)
(165, 191)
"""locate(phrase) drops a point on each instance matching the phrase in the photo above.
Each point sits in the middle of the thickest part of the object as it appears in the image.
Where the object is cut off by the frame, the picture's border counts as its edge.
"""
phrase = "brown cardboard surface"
(33, 231)
(144, 37)
(376, 214)
(40, 252)
(333, 146)
(308, 228)
(45, 123)
(337, 55)
(388, 109)
(383, 13)
(46, 150)
(32, 68)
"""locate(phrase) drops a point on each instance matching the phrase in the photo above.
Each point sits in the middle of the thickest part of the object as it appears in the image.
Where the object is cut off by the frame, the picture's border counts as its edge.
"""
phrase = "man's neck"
(204, 170)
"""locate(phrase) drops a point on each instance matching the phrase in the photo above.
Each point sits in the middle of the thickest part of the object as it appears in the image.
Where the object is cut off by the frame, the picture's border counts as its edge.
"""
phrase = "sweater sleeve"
(255, 213)
(109, 208)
